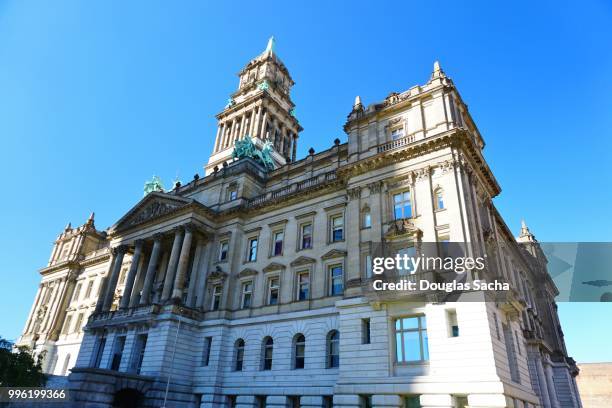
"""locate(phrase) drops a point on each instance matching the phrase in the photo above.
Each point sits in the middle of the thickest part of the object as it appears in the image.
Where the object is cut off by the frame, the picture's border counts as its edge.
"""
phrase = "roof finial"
(68, 226)
(90, 220)
(271, 45)
(357, 101)
(437, 71)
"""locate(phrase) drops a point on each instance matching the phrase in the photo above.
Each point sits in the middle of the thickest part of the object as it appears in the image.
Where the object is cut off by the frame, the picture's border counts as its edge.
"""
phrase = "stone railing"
(395, 144)
(292, 189)
(124, 313)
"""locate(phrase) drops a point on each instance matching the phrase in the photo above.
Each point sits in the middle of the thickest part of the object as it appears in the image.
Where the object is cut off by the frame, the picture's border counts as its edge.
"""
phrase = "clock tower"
(261, 109)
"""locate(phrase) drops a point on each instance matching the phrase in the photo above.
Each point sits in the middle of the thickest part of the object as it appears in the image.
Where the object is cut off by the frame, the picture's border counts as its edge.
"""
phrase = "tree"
(18, 367)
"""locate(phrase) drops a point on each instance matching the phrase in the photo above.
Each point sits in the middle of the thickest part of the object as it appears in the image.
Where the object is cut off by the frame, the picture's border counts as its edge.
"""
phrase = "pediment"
(247, 272)
(217, 275)
(274, 266)
(153, 205)
(303, 260)
(334, 253)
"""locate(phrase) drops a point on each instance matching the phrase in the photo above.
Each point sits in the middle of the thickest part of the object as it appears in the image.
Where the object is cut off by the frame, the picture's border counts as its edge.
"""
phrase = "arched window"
(333, 349)
(366, 218)
(439, 199)
(65, 367)
(268, 349)
(238, 354)
(299, 351)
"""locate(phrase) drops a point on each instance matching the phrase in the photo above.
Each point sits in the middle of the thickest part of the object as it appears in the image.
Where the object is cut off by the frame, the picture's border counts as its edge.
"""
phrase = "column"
(351, 235)
(245, 401)
(252, 121)
(138, 283)
(193, 281)
(131, 276)
(554, 403)
(429, 401)
(262, 130)
(277, 401)
(256, 126)
(294, 147)
(218, 137)
(113, 278)
(347, 400)
(201, 289)
(544, 397)
(311, 401)
(241, 131)
(145, 298)
(181, 272)
(31, 318)
(172, 264)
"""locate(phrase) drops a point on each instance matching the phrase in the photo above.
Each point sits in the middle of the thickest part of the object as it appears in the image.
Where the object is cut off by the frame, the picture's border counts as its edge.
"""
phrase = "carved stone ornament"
(334, 253)
(217, 275)
(354, 193)
(403, 226)
(375, 187)
(392, 98)
(155, 209)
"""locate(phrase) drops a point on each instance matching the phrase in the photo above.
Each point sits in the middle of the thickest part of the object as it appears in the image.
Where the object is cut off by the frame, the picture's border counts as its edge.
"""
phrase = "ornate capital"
(158, 236)
(120, 249)
(375, 187)
(354, 193)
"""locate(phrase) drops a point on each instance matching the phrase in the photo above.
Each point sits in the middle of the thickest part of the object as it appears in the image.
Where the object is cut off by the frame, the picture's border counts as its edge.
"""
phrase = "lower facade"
(354, 353)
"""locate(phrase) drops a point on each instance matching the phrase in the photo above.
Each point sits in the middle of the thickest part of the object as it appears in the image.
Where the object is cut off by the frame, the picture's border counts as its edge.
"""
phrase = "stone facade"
(249, 286)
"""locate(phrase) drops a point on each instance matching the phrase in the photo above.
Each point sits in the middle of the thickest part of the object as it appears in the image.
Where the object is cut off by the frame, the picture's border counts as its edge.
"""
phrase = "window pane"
(410, 323)
(398, 342)
(412, 348)
(425, 345)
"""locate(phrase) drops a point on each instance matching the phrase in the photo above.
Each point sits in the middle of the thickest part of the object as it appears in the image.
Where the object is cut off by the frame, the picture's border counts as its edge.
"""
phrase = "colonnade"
(142, 273)
(257, 122)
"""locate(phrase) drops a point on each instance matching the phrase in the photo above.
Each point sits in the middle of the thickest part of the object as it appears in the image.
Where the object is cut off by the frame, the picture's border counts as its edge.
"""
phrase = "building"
(251, 286)
(594, 384)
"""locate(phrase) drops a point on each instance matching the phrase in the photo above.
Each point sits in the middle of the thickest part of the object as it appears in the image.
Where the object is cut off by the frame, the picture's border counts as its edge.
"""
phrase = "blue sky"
(97, 96)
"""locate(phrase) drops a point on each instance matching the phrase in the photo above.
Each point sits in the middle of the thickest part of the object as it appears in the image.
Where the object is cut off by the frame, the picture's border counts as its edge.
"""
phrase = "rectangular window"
(461, 402)
(252, 254)
(453, 326)
(337, 228)
(273, 290)
(232, 192)
(403, 268)
(402, 206)
(231, 401)
(277, 248)
(139, 351)
(89, 288)
(336, 280)
(367, 219)
(368, 266)
(411, 339)
(247, 294)
(306, 236)
(223, 249)
(78, 323)
(328, 401)
(511, 352)
(117, 353)
(294, 401)
(66, 329)
(303, 285)
(260, 401)
(412, 401)
(365, 401)
(397, 133)
(77, 292)
(99, 350)
(216, 297)
(365, 331)
(496, 326)
(206, 352)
